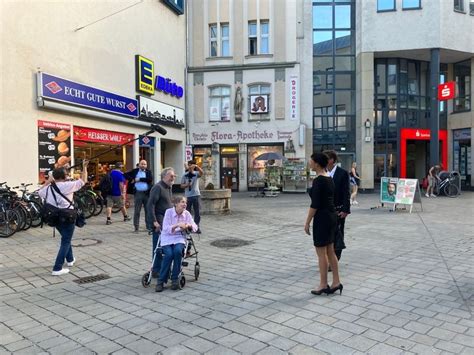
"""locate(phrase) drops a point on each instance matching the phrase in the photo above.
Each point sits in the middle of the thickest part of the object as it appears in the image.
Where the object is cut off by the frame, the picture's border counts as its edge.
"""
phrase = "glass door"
(230, 171)
(380, 166)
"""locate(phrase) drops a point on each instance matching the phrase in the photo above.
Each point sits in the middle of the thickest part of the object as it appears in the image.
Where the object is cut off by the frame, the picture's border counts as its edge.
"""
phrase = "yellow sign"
(145, 75)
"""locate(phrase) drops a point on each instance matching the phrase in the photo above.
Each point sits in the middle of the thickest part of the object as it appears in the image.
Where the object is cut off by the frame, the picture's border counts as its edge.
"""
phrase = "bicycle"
(449, 185)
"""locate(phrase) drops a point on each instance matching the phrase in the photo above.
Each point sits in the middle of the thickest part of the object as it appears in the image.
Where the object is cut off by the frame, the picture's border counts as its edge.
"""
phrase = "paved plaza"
(408, 286)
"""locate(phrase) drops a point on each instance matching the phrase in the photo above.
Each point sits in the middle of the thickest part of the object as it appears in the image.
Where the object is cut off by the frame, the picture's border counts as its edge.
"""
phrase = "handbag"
(53, 215)
(68, 215)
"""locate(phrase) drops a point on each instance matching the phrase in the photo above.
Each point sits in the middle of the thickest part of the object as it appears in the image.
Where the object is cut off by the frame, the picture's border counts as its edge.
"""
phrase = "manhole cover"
(90, 279)
(85, 242)
(230, 243)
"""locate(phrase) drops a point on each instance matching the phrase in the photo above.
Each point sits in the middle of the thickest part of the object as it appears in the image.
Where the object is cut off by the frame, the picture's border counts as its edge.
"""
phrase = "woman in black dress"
(324, 217)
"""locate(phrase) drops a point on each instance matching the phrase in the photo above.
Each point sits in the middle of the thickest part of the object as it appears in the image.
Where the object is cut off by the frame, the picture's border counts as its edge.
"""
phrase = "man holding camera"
(190, 184)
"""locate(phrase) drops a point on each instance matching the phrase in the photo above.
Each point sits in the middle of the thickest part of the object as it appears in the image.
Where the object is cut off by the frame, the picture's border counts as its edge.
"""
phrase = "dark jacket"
(158, 202)
(342, 191)
(130, 176)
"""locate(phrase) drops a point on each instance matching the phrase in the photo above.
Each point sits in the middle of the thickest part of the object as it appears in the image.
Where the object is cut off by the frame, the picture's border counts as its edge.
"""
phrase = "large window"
(333, 75)
(459, 5)
(462, 75)
(219, 104)
(411, 4)
(385, 5)
(253, 43)
(219, 40)
(259, 37)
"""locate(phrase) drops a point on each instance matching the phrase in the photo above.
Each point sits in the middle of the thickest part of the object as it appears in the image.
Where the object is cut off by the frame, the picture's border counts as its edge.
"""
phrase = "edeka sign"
(144, 69)
(58, 89)
(146, 82)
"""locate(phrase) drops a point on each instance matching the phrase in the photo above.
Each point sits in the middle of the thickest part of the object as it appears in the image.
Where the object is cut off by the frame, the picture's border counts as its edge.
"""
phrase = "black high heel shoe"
(321, 291)
(332, 290)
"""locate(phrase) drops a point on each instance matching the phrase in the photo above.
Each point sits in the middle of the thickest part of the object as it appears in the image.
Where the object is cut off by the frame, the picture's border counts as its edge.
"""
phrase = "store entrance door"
(346, 160)
(380, 166)
(230, 171)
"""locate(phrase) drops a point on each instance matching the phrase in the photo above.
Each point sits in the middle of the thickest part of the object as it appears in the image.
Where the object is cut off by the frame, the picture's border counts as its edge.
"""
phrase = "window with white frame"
(264, 37)
(253, 38)
(259, 99)
(213, 40)
(225, 50)
(219, 104)
(459, 5)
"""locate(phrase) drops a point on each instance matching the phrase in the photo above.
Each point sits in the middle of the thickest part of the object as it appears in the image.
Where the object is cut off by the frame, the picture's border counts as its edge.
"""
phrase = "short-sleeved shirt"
(193, 190)
(117, 178)
(67, 188)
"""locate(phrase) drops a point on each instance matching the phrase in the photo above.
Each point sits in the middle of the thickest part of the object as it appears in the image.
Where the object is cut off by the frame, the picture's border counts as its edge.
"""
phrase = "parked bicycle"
(448, 184)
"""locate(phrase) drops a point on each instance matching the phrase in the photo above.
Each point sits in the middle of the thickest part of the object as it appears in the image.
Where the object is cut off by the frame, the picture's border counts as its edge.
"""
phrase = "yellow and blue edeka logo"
(145, 75)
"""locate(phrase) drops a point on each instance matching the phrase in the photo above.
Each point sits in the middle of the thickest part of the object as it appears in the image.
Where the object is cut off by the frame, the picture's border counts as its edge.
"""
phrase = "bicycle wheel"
(451, 190)
(436, 190)
(99, 204)
(23, 218)
(8, 223)
(35, 212)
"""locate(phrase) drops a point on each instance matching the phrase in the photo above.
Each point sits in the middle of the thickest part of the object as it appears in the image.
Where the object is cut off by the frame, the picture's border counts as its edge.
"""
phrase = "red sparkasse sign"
(446, 91)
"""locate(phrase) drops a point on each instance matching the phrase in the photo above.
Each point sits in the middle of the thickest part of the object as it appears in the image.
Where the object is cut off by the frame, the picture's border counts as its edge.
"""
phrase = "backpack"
(105, 184)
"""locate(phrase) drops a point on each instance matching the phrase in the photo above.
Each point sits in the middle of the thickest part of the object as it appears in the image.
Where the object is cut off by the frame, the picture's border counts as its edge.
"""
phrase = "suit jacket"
(342, 191)
(130, 176)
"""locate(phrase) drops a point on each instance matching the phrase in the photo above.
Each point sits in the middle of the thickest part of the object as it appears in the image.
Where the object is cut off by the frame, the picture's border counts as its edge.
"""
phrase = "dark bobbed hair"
(331, 154)
(321, 159)
(59, 174)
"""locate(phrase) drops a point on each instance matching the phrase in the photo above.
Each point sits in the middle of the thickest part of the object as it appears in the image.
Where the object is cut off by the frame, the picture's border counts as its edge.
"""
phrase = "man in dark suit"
(140, 181)
(342, 198)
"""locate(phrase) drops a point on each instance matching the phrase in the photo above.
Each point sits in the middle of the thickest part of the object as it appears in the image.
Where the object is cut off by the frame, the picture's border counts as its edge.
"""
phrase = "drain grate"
(90, 279)
(230, 243)
(85, 242)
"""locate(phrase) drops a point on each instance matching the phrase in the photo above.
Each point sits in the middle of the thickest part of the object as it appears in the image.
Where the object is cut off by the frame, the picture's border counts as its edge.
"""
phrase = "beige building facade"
(71, 85)
(249, 101)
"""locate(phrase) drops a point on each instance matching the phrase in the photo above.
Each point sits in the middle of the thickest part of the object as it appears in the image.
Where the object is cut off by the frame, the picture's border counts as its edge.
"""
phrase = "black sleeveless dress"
(325, 219)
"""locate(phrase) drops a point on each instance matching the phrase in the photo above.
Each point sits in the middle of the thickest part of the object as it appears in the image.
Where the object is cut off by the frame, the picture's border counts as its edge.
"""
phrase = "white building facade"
(77, 83)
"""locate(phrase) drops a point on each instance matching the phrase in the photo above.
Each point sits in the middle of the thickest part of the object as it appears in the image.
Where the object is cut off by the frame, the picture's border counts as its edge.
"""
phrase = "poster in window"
(214, 114)
(54, 147)
(259, 104)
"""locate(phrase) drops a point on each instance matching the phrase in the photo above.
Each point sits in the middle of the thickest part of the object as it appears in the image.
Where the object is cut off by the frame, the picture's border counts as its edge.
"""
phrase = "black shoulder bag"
(68, 215)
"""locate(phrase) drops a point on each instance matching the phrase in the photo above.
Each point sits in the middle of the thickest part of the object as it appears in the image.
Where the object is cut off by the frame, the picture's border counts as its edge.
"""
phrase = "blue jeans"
(172, 253)
(65, 250)
(193, 204)
(157, 264)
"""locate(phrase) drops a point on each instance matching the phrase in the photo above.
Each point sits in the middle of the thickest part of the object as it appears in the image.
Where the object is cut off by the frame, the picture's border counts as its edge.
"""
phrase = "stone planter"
(215, 201)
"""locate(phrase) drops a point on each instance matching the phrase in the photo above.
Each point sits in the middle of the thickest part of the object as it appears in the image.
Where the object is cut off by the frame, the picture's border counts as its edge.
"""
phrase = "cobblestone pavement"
(408, 286)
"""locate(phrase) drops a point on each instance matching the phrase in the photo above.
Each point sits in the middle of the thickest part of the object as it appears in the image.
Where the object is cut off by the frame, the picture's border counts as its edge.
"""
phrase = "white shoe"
(355, 202)
(60, 272)
(433, 195)
(72, 262)
(427, 195)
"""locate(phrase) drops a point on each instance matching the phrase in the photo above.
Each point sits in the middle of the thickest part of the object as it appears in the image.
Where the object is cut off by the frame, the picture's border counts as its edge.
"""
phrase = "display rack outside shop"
(294, 175)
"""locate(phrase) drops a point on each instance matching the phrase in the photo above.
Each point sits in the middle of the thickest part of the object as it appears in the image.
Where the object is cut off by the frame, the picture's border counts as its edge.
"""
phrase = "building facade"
(246, 104)
(373, 96)
(87, 83)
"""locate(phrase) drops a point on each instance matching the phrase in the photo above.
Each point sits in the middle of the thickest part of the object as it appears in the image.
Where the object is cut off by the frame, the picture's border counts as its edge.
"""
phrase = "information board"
(399, 191)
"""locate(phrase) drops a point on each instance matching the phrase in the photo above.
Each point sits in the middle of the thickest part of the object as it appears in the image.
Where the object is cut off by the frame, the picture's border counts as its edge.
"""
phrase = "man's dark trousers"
(193, 203)
(141, 198)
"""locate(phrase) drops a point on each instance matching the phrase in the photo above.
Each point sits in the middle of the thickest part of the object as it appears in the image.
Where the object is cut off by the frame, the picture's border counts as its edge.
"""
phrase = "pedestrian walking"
(158, 202)
(342, 198)
(355, 182)
(190, 184)
(140, 181)
(323, 214)
(117, 194)
(59, 180)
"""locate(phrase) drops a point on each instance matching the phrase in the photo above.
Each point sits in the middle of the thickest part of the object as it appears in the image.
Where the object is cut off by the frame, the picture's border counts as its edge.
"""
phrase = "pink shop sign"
(240, 136)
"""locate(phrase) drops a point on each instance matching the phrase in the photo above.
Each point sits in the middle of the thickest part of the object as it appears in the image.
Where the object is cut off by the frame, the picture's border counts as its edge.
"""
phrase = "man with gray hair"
(158, 202)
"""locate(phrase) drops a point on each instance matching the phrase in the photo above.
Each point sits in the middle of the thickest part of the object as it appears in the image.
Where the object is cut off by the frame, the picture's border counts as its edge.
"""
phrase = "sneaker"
(433, 195)
(136, 230)
(60, 272)
(355, 203)
(72, 262)
(175, 286)
(198, 231)
(108, 222)
(126, 218)
(426, 195)
(159, 287)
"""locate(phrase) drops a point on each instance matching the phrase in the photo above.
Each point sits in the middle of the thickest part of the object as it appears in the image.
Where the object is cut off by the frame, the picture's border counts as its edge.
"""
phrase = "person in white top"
(66, 230)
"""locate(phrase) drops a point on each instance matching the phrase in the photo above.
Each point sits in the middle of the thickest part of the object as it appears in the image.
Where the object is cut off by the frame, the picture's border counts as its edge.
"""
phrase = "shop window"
(253, 38)
(462, 75)
(213, 40)
(260, 171)
(459, 5)
(386, 5)
(471, 8)
(225, 49)
(219, 104)
(411, 4)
